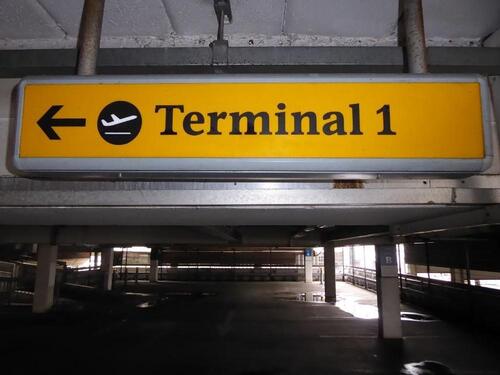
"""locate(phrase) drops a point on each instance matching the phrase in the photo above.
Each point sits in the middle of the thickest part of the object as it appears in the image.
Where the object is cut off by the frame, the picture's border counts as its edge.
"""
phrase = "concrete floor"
(230, 328)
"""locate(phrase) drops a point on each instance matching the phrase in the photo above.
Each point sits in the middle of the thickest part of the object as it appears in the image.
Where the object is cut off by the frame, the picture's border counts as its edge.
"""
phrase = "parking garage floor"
(231, 328)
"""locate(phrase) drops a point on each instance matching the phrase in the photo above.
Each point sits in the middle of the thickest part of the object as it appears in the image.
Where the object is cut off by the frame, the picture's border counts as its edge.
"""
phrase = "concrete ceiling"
(156, 23)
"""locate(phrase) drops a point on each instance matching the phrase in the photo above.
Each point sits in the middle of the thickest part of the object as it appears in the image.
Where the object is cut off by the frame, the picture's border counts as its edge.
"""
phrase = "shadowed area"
(230, 328)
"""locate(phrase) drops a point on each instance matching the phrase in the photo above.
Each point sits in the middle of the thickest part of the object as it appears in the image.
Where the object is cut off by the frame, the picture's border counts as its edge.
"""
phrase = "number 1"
(386, 113)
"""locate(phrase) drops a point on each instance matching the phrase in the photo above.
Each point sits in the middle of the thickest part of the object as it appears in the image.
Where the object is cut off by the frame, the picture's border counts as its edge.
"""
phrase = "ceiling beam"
(20, 63)
(478, 218)
(371, 239)
(246, 197)
(113, 235)
(221, 232)
(341, 232)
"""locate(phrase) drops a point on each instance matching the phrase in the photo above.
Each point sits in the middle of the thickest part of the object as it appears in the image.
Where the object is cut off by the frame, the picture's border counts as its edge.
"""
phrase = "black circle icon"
(119, 123)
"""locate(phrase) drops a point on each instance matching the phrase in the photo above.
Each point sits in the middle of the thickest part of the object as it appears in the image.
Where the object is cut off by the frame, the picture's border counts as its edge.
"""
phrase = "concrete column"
(330, 286)
(388, 299)
(45, 278)
(107, 267)
(153, 265)
(308, 265)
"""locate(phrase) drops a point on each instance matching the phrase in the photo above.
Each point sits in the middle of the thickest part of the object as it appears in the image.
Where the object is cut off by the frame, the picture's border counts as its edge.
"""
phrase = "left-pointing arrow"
(47, 122)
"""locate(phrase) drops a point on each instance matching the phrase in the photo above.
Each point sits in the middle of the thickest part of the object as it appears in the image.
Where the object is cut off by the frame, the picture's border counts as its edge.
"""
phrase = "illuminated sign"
(252, 124)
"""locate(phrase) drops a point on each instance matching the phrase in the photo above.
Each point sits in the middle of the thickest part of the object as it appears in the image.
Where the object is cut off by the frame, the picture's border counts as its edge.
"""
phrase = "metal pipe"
(90, 36)
(415, 36)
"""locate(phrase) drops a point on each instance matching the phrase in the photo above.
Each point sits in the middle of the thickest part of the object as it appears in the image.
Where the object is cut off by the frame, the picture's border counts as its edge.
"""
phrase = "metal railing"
(134, 274)
(456, 301)
(8, 282)
(89, 276)
(216, 271)
(359, 276)
(453, 301)
(235, 272)
(8, 286)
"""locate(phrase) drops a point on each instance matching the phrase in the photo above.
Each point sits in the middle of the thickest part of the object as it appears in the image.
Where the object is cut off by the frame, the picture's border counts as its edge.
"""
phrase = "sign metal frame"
(252, 168)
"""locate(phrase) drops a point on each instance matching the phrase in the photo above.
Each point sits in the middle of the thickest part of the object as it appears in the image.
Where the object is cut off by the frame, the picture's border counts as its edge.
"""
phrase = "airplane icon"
(117, 121)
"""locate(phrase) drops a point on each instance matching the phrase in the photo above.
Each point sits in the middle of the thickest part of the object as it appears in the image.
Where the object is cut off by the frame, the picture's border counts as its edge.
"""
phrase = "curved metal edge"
(13, 162)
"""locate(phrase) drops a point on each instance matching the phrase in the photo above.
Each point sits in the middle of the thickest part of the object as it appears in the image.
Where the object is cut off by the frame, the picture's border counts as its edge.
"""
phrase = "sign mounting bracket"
(220, 46)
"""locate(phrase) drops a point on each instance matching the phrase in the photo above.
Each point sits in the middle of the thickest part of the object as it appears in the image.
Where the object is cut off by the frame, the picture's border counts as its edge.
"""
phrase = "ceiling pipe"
(415, 36)
(90, 37)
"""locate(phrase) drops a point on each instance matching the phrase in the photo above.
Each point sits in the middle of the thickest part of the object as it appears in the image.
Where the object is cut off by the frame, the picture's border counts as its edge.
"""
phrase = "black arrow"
(47, 122)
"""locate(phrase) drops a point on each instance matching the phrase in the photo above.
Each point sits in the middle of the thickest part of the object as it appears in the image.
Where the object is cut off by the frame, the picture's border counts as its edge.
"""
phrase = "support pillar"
(153, 265)
(308, 265)
(388, 299)
(107, 267)
(330, 286)
(299, 259)
(45, 278)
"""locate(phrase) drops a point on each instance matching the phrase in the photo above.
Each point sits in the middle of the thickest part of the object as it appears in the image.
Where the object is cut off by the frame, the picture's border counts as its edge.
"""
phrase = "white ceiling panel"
(121, 17)
(191, 17)
(461, 18)
(257, 17)
(347, 18)
(168, 23)
(21, 19)
(66, 14)
(135, 17)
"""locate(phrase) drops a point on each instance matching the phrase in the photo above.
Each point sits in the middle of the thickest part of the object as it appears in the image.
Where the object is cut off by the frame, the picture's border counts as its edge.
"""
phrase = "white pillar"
(45, 278)
(298, 259)
(107, 268)
(308, 265)
(153, 265)
(330, 286)
(388, 299)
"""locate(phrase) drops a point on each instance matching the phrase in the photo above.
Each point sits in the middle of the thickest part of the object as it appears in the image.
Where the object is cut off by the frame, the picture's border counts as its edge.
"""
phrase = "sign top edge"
(256, 78)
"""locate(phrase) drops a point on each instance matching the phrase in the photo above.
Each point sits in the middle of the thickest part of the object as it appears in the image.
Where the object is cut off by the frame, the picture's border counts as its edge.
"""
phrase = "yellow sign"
(397, 120)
